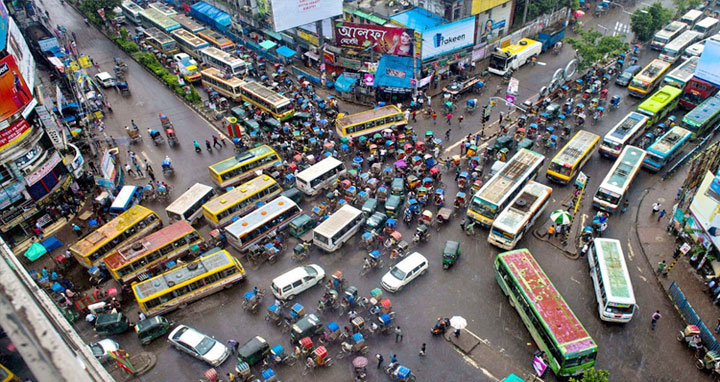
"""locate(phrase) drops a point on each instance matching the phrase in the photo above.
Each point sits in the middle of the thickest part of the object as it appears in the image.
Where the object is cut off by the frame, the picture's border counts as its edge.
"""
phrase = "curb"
(568, 254)
(642, 248)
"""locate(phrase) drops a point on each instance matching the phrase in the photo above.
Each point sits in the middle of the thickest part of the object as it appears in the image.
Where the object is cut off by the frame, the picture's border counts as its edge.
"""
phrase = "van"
(297, 280)
(404, 272)
(692, 17)
(105, 79)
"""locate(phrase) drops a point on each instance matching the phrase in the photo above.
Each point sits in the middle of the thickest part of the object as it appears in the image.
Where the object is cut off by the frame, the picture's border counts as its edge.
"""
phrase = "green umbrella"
(561, 217)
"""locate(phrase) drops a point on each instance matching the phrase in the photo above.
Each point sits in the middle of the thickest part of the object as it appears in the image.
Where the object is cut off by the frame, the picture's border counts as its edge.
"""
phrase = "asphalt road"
(630, 352)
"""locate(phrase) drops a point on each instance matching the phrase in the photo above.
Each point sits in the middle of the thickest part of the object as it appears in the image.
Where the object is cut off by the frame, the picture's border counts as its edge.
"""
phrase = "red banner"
(14, 92)
(389, 40)
(13, 133)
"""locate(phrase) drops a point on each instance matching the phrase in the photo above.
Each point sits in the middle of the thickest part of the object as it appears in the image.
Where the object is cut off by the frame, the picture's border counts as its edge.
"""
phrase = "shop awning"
(57, 64)
(344, 84)
(285, 51)
(272, 34)
(267, 44)
(394, 71)
(367, 16)
(312, 55)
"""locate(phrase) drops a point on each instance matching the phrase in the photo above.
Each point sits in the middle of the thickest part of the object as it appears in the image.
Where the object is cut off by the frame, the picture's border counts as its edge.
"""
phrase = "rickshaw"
(171, 137)
(422, 233)
(329, 301)
(373, 261)
(397, 187)
(297, 311)
(392, 205)
(471, 105)
(428, 182)
(422, 194)
(614, 102)
(369, 207)
(332, 333)
(399, 373)
(443, 216)
(301, 225)
(462, 180)
(402, 248)
(439, 197)
(412, 182)
(360, 368)
(274, 314)
(368, 240)
(278, 356)
(384, 322)
(450, 253)
(123, 88)
(710, 362)
(152, 328)
(387, 174)
(133, 134)
(381, 194)
(426, 218)
(318, 358)
(356, 345)
(476, 186)
(252, 300)
(350, 296)
(337, 281)
(307, 326)
(253, 351)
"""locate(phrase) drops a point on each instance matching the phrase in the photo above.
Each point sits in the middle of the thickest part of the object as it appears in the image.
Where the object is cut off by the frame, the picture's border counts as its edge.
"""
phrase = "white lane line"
(573, 279)
(146, 156)
(632, 253)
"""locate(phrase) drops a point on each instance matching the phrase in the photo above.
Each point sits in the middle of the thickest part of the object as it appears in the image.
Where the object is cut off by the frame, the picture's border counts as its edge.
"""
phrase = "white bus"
(188, 206)
(613, 289)
(126, 198)
(675, 48)
(131, 11)
(682, 74)
(617, 182)
(509, 227)
(189, 42)
(320, 175)
(707, 26)
(331, 234)
(625, 132)
(692, 17)
(163, 8)
(269, 218)
(667, 34)
(223, 61)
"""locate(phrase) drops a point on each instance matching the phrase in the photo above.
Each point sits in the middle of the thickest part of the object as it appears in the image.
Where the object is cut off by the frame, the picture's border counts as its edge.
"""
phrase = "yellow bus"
(649, 78)
(369, 121)
(141, 258)
(188, 282)
(271, 101)
(217, 40)
(6, 375)
(132, 224)
(226, 85)
(572, 157)
(243, 166)
(220, 210)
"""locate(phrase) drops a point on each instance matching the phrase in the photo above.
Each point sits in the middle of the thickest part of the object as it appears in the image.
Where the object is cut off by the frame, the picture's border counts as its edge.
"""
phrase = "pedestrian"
(551, 232)
(449, 118)
(76, 228)
(457, 333)
(447, 134)
(139, 170)
(148, 168)
(129, 169)
(585, 249)
(656, 207)
(434, 117)
(717, 327)
(661, 214)
(460, 119)
(422, 348)
(233, 345)
(231, 377)
(380, 359)
(407, 114)
(141, 316)
(414, 114)
(624, 206)
(661, 266)
(502, 115)
(216, 141)
(457, 173)
(655, 317)
(398, 334)
(477, 139)
(393, 359)
(151, 174)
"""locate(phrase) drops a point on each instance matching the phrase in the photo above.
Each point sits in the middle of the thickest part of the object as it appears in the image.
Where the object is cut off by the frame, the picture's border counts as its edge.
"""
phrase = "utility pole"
(525, 10)
(414, 62)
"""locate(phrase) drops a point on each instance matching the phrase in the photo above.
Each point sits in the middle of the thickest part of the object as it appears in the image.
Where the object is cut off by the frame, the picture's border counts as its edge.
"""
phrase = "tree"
(538, 7)
(648, 20)
(593, 375)
(90, 8)
(592, 46)
(683, 6)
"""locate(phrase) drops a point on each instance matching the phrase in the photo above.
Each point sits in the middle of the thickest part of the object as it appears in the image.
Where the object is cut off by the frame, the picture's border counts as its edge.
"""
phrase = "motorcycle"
(441, 326)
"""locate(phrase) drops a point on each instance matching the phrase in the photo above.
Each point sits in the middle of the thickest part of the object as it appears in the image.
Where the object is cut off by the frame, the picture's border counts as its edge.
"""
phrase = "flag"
(122, 359)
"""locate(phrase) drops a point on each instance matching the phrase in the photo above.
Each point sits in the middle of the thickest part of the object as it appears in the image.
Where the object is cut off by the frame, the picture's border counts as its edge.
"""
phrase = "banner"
(14, 93)
(479, 6)
(19, 48)
(447, 38)
(3, 25)
(707, 67)
(386, 40)
(18, 130)
(293, 13)
(43, 170)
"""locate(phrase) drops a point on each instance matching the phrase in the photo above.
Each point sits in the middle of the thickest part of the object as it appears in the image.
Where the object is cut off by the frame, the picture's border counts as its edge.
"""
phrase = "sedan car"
(101, 348)
(404, 272)
(199, 345)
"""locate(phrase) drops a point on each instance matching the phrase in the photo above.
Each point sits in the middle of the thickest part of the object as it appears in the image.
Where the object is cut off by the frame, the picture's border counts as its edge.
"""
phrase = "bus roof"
(191, 194)
(190, 38)
(276, 99)
(703, 112)
(251, 220)
(157, 35)
(659, 100)
(131, 6)
(686, 70)
(223, 55)
(681, 41)
(342, 216)
(706, 22)
(165, 9)
(151, 242)
(188, 23)
(111, 228)
(614, 270)
(625, 127)
(318, 168)
(560, 320)
(245, 156)
(571, 153)
(215, 36)
(367, 115)
(652, 70)
(529, 199)
(669, 140)
(159, 18)
(671, 28)
(622, 170)
(181, 274)
(220, 202)
(521, 45)
(500, 184)
(124, 196)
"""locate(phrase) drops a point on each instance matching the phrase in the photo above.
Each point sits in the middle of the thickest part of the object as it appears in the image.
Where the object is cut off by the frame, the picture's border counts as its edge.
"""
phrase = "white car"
(297, 280)
(105, 79)
(101, 348)
(404, 272)
(199, 345)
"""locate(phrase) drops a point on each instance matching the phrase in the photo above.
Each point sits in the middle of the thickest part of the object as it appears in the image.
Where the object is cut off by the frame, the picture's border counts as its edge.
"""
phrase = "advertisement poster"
(14, 92)
(293, 13)
(479, 6)
(385, 40)
(707, 67)
(447, 38)
(13, 133)
(3, 25)
(18, 47)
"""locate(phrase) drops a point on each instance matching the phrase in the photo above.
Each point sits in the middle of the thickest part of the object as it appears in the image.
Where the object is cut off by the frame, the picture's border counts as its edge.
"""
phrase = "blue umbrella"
(550, 129)
(357, 160)
(93, 223)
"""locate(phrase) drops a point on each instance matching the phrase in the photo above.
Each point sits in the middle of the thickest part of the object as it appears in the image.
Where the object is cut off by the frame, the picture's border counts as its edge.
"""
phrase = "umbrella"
(578, 13)
(93, 223)
(561, 217)
(400, 163)
(458, 322)
(360, 362)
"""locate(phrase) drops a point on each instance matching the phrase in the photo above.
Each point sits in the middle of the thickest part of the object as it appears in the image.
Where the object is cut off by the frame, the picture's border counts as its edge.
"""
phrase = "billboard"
(479, 6)
(19, 48)
(448, 37)
(384, 40)
(15, 132)
(707, 68)
(3, 25)
(292, 13)
(14, 92)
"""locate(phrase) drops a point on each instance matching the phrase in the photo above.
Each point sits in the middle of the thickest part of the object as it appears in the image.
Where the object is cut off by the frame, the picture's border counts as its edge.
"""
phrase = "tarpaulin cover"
(35, 251)
(418, 19)
(394, 71)
(285, 51)
(210, 15)
(344, 84)
(267, 44)
(51, 243)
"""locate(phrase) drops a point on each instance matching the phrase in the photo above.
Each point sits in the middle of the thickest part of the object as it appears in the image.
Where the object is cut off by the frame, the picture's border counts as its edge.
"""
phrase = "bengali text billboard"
(385, 40)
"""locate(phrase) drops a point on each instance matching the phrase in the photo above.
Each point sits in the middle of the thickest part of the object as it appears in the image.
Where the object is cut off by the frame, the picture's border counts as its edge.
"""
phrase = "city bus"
(704, 117)
(682, 74)
(163, 8)
(126, 198)
(692, 17)
(217, 40)
(319, 176)
(240, 200)
(369, 121)
(267, 219)
(188, 282)
(224, 61)
(7, 376)
(143, 258)
(496, 194)
(695, 92)
(675, 48)
(188, 23)
(188, 206)
(228, 86)
(160, 41)
(707, 26)
(572, 157)
(153, 18)
(131, 11)
(552, 324)
(648, 79)
(694, 50)
(243, 166)
(519, 216)
(331, 234)
(625, 132)
(667, 34)
(663, 150)
(189, 43)
(660, 104)
(609, 273)
(266, 99)
(136, 222)
(617, 182)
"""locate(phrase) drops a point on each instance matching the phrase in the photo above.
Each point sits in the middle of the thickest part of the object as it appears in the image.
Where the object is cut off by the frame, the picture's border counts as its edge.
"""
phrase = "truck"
(513, 56)
(188, 67)
(551, 36)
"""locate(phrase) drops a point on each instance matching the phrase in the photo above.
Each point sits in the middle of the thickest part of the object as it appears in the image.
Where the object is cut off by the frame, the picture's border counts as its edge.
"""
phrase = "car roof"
(190, 336)
(633, 68)
(410, 262)
(103, 75)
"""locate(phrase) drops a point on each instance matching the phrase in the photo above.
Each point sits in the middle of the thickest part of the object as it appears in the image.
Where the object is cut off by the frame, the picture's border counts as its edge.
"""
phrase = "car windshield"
(311, 271)
(97, 350)
(397, 273)
(205, 345)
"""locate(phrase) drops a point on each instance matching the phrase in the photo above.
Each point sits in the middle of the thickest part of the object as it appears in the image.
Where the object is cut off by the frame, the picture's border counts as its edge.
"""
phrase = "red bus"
(696, 91)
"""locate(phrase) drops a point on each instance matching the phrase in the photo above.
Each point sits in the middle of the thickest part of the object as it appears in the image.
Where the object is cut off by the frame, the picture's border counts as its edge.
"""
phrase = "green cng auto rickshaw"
(253, 351)
(450, 254)
(392, 205)
(107, 324)
(369, 207)
(375, 223)
(152, 328)
(397, 187)
(300, 225)
(307, 326)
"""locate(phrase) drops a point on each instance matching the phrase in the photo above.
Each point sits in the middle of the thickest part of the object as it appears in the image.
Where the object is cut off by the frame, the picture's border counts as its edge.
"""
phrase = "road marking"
(474, 364)
(632, 253)
(573, 279)
(643, 278)
(147, 158)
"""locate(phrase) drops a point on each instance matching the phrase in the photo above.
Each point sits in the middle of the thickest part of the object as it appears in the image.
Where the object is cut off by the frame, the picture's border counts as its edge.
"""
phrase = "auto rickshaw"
(152, 328)
(397, 187)
(443, 216)
(412, 182)
(272, 124)
(503, 141)
(375, 223)
(294, 194)
(307, 326)
(526, 143)
(301, 225)
(251, 124)
(392, 205)
(422, 233)
(107, 324)
(450, 253)
(253, 351)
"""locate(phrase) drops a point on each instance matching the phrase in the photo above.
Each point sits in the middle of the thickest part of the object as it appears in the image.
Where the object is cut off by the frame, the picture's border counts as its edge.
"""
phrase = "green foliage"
(592, 47)
(593, 375)
(126, 45)
(575, 5)
(124, 34)
(648, 20)
(540, 7)
(682, 6)
(92, 6)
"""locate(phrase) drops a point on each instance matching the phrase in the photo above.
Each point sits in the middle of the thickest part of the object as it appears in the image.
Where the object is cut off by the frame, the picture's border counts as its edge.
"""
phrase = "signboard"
(708, 68)
(292, 13)
(53, 129)
(48, 44)
(312, 39)
(11, 194)
(386, 40)
(84, 62)
(107, 166)
(14, 92)
(17, 131)
(43, 170)
(447, 38)
(19, 48)
(349, 63)
(329, 57)
(3, 25)
(479, 6)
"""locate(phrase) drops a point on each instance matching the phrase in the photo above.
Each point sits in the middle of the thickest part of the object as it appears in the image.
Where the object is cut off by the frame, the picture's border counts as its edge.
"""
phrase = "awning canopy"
(394, 71)
(312, 55)
(57, 64)
(267, 44)
(344, 84)
(285, 51)
(210, 15)
(272, 34)
(366, 16)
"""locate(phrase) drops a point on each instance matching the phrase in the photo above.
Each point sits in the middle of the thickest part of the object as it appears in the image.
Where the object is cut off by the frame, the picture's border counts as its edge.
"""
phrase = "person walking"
(661, 214)
(129, 169)
(151, 174)
(449, 118)
(393, 359)
(76, 228)
(502, 115)
(460, 119)
(661, 266)
(655, 317)
(457, 333)
(422, 348)
(139, 170)
(398, 334)
(148, 168)
(216, 141)
(233, 345)
(624, 206)
(407, 114)
(656, 207)
(380, 359)
(551, 231)
(414, 116)
(447, 135)
(434, 118)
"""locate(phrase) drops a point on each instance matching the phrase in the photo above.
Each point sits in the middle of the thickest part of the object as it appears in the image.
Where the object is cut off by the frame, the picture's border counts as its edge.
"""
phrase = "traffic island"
(466, 342)
(141, 363)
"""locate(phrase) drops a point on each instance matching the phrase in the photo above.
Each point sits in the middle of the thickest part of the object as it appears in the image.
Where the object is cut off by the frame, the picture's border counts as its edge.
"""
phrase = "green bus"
(704, 117)
(660, 104)
(554, 327)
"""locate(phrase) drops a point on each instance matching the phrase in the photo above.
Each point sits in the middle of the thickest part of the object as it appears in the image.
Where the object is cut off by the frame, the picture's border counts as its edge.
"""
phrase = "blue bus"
(662, 151)
(126, 198)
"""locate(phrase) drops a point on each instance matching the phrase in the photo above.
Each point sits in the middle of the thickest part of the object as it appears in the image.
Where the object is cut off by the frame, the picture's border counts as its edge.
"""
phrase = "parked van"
(297, 280)
(692, 17)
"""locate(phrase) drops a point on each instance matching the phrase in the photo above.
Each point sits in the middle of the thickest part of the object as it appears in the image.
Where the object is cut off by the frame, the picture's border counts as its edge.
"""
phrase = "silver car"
(199, 345)
(101, 348)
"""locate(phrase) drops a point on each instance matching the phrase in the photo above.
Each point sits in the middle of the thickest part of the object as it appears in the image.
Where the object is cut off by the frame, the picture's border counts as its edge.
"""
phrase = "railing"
(691, 317)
